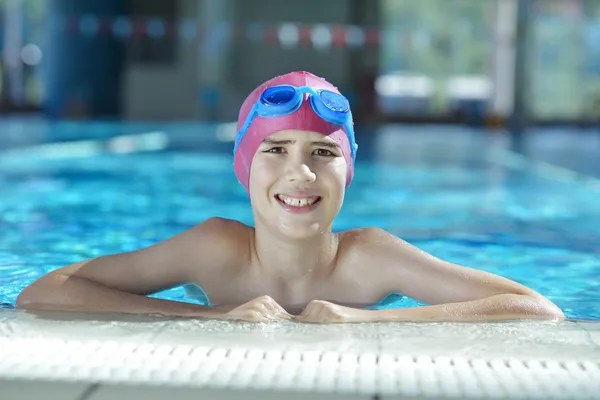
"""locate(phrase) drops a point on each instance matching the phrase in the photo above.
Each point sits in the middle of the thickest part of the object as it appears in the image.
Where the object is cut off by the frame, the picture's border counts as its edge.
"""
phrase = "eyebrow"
(331, 145)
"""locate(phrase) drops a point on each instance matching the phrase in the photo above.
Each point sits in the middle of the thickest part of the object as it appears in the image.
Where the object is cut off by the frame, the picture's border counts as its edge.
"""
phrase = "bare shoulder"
(220, 228)
(362, 247)
(371, 240)
(220, 241)
(387, 252)
(364, 261)
(209, 248)
(222, 252)
(377, 252)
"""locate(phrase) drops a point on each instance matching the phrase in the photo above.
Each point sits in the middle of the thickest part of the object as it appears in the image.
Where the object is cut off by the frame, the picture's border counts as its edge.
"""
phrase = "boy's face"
(297, 182)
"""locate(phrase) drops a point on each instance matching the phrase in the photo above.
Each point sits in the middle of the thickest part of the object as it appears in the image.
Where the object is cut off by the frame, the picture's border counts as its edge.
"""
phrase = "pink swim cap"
(303, 119)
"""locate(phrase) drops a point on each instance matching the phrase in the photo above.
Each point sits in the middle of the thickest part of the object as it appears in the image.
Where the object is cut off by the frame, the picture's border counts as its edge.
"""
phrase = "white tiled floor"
(193, 358)
(30, 390)
(162, 393)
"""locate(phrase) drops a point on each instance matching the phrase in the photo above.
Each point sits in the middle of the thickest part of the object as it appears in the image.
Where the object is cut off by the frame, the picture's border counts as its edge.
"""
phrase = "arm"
(454, 292)
(493, 308)
(71, 293)
(120, 282)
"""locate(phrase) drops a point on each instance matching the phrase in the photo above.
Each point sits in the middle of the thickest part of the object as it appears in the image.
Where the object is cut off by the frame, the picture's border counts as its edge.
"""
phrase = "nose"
(298, 170)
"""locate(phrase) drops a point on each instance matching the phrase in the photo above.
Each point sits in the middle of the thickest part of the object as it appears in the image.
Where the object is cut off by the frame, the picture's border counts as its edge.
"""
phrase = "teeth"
(298, 202)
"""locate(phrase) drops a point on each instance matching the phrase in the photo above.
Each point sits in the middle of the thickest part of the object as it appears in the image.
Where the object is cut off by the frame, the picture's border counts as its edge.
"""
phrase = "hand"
(320, 311)
(260, 309)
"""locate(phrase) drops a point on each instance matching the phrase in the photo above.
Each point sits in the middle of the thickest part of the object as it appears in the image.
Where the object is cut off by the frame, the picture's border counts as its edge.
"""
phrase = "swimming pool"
(70, 191)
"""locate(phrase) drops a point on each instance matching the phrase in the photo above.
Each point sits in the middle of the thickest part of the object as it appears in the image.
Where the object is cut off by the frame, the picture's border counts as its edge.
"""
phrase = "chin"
(300, 229)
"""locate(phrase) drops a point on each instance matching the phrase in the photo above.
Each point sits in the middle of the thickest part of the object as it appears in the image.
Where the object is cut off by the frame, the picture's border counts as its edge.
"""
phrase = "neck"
(291, 259)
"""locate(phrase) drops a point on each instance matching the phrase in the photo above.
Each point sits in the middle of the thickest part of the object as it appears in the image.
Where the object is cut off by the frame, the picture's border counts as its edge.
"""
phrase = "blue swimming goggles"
(281, 100)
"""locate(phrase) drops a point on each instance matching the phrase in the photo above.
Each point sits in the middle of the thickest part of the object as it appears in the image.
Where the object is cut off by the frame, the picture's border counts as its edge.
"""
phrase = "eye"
(324, 153)
(275, 150)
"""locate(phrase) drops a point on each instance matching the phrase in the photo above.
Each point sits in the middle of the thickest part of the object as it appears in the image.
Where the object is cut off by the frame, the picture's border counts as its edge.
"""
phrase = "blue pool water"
(71, 191)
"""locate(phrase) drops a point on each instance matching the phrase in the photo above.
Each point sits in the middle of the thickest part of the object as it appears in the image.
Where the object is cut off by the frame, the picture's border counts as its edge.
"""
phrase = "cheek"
(261, 174)
(334, 176)
(339, 174)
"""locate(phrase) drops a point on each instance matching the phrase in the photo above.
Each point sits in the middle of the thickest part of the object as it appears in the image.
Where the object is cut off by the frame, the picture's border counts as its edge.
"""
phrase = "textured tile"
(469, 360)
(522, 339)
(161, 393)
(281, 335)
(67, 325)
(37, 390)
(593, 330)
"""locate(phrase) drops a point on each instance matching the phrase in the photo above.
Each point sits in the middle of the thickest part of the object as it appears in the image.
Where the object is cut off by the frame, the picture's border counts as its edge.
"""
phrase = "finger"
(282, 314)
(276, 309)
(265, 308)
(325, 313)
(286, 315)
(321, 315)
(248, 317)
(272, 311)
(277, 306)
(301, 316)
(280, 317)
(306, 311)
(309, 314)
(271, 305)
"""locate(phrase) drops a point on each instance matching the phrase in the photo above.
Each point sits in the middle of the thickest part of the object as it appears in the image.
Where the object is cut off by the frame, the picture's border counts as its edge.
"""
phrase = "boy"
(294, 154)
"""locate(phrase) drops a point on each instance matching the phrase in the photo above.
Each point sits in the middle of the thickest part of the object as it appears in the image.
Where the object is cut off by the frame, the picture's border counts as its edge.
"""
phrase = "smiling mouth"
(298, 202)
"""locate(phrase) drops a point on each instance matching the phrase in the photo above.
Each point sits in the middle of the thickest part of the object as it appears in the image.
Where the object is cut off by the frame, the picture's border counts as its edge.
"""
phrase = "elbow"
(551, 311)
(32, 296)
(540, 307)
(28, 297)
(37, 294)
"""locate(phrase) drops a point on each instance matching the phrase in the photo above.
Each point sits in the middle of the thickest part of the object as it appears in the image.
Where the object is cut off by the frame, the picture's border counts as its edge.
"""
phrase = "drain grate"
(365, 373)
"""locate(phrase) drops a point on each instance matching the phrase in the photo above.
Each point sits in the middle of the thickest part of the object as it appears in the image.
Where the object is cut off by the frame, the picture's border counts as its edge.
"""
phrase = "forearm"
(70, 293)
(494, 308)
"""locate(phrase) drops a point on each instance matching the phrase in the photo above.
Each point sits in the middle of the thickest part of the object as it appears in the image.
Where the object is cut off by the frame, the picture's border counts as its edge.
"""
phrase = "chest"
(348, 289)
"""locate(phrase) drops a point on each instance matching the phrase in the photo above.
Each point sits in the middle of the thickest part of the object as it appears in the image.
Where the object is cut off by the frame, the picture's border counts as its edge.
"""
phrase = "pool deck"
(87, 356)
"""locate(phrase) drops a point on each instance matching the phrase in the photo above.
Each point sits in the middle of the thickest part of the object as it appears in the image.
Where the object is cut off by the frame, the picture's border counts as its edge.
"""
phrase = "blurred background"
(486, 62)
